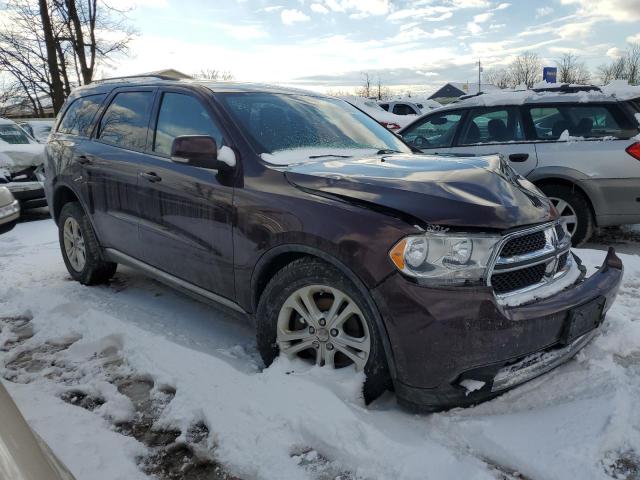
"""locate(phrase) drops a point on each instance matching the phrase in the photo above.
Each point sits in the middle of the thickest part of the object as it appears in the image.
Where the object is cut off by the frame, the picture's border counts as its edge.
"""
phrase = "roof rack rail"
(470, 95)
(568, 88)
(131, 77)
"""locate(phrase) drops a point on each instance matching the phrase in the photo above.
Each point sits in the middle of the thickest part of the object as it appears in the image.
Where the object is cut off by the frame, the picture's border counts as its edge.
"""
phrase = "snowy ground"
(133, 377)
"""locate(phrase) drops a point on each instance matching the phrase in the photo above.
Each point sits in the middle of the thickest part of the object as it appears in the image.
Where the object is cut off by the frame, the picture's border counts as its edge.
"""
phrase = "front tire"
(79, 246)
(310, 310)
(574, 208)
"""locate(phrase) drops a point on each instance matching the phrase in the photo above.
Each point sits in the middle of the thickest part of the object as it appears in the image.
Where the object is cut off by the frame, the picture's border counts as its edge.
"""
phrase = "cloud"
(483, 17)
(291, 16)
(414, 33)
(617, 10)
(544, 11)
(319, 8)
(615, 52)
(474, 28)
(359, 8)
(502, 6)
(634, 38)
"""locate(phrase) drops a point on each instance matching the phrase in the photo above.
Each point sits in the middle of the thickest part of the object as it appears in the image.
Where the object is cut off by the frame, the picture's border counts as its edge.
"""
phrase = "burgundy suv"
(447, 279)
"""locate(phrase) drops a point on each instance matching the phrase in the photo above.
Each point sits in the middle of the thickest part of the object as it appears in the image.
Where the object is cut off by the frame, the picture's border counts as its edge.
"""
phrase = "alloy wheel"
(323, 325)
(74, 245)
(567, 212)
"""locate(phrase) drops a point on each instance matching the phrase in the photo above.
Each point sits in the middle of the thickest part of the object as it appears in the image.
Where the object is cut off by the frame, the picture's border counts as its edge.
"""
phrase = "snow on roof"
(521, 97)
(622, 90)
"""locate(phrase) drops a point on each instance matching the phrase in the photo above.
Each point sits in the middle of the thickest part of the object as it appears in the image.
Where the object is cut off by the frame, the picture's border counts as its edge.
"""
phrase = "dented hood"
(14, 157)
(471, 192)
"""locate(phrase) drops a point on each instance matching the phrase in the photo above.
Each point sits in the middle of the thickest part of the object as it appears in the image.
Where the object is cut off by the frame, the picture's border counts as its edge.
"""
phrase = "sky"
(327, 44)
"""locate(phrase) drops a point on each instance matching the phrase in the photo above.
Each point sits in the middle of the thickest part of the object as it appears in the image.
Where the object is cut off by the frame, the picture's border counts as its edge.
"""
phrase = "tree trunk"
(57, 91)
(78, 43)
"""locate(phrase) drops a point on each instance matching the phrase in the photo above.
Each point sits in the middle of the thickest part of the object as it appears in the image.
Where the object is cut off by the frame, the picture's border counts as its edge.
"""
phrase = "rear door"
(591, 139)
(434, 133)
(186, 211)
(112, 161)
(497, 130)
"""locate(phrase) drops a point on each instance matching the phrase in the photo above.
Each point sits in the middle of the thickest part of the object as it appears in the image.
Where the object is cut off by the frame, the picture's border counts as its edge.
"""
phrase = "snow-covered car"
(9, 210)
(21, 165)
(24, 455)
(38, 129)
(410, 106)
(390, 120)
(579, 144)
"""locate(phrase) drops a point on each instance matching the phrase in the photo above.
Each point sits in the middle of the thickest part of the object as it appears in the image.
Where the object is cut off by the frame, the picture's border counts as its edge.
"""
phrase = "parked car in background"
(389, 120)
(9, 210)
(38, 129)
(25, 456)
(409, 106)
(21, 165)
(577, 144)
(450, 281)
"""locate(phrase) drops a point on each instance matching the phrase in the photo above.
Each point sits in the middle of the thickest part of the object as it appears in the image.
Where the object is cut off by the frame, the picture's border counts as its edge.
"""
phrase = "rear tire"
(575, 208)
(79, 246)
(327, 284)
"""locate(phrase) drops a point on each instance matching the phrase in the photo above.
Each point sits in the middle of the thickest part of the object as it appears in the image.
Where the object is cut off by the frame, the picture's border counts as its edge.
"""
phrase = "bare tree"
(382, 91)
(572, 70)
(50, 46)
(526, 69)
(499, 77)
(365, 90)
(625, 67)
(214, 74)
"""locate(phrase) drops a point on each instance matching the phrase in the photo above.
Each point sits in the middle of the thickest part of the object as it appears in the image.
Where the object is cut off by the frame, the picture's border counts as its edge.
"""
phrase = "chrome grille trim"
(555, 248)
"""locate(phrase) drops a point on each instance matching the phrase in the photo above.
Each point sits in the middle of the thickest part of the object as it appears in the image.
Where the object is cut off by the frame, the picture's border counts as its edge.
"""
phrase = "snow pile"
(290, 421)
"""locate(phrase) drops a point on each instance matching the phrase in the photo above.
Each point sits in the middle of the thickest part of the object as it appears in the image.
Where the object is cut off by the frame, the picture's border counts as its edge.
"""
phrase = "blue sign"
(549, 74)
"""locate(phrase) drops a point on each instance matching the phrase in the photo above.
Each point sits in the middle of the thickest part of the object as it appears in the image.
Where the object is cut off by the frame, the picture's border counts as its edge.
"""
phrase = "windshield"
(288, 129)
(13, 134)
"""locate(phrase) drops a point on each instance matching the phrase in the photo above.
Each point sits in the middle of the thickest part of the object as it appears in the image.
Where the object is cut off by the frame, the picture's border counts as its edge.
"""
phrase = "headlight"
(8, 210)
(441, 259)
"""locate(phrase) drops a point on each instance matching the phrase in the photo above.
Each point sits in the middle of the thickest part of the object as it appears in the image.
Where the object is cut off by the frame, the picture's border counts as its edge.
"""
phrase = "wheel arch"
(278, 257)
(569, 182)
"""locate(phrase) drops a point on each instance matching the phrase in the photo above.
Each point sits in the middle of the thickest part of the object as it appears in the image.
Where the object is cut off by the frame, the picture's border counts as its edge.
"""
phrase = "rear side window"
(78, 117)
(182, 115)
(385, 106)
(437, 131)
(588, 121)
(403, 109)
(499, 125)
(126, 119)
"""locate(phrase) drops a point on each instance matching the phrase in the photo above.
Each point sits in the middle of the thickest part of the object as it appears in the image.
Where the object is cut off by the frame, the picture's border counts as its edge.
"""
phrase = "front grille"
(562, 261)
(525, 244)
(559, 231)
(517, 279)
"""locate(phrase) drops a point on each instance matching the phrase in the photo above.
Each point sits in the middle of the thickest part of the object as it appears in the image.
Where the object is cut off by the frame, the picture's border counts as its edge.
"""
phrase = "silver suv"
(580, 146)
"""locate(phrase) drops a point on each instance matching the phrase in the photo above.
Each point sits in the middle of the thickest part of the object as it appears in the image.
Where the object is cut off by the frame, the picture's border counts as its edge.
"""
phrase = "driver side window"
(437, 131)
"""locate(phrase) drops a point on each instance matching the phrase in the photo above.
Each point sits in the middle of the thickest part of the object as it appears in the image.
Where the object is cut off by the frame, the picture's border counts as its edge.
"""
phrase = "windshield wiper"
(330, 155)
(386, 152)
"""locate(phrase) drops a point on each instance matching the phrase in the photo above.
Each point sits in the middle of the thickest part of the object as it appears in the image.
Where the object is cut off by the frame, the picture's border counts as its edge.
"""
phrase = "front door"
(497, 130)
(434, 133)
(186, 211)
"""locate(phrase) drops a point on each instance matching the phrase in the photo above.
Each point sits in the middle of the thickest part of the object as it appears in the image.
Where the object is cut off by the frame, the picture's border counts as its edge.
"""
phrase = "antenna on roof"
(568, 88)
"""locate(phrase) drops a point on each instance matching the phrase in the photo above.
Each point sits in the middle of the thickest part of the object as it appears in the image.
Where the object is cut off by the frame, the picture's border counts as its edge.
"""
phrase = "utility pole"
(479, 76)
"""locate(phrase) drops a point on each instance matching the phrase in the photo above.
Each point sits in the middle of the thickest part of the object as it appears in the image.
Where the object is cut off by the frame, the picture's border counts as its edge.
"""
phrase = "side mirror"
(201, 151)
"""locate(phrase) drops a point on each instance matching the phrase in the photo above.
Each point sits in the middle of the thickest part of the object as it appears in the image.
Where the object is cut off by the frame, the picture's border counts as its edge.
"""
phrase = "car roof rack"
(568, 88)
(136, 77)
(470, 95)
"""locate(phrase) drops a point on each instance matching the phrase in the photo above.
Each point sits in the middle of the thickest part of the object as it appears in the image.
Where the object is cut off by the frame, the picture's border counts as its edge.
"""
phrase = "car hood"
(18, 157)
(467, 192)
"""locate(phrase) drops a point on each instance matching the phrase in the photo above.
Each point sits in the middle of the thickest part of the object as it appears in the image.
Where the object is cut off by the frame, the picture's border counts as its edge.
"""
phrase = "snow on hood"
(18, 157)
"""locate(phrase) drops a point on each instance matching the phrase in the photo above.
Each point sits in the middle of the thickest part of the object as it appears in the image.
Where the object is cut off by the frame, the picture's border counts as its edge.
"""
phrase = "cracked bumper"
(440, 337)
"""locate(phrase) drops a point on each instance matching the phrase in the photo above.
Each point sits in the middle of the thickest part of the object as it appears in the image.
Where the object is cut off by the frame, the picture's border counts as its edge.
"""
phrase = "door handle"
(83, 159)
(151, 176)
(519, 157)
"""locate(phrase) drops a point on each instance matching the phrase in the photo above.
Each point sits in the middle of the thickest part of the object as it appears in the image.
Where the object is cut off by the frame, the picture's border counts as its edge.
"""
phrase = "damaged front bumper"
(27, 186)
(460, 346)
